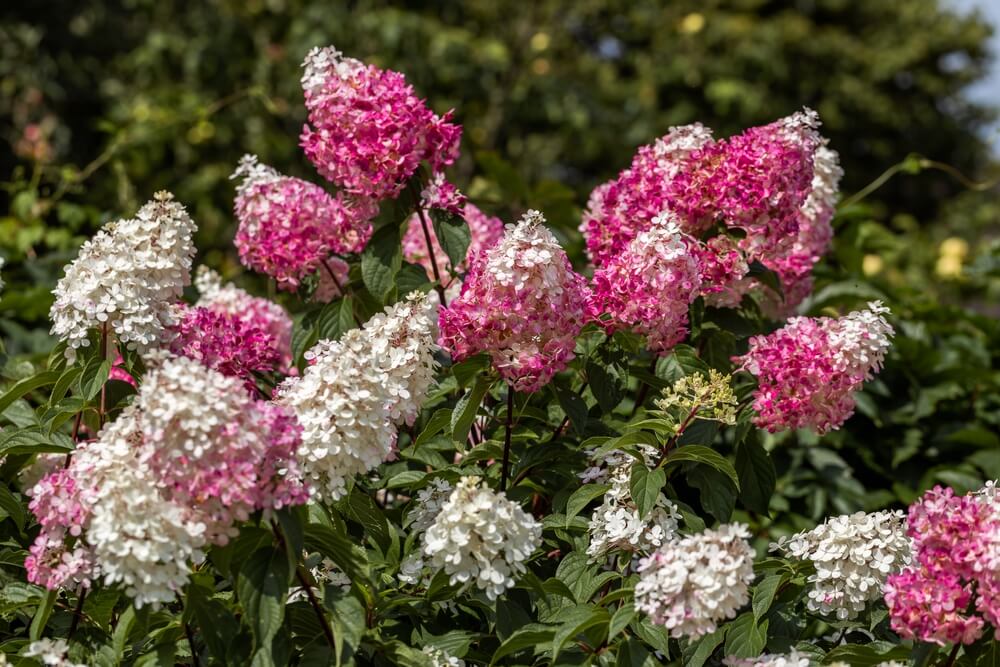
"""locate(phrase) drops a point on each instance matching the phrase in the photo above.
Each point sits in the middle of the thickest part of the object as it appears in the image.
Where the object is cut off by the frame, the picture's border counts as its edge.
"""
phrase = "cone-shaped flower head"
(808, 370)
(127, 278)
(368, 132)
(522, 303)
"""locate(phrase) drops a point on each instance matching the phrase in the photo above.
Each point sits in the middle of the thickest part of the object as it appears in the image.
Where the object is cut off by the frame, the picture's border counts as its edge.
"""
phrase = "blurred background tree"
(107, 101)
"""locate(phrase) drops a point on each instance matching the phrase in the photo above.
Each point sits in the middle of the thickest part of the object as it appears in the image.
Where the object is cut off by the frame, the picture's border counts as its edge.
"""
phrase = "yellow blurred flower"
(872, 264)
(692, 23)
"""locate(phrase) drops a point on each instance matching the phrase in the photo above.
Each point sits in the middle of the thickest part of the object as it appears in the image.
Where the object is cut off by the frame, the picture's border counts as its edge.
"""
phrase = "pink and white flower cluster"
(775, 183)
(173, 473)
(808, 370)
(368, 132)
(288, 227)
(521, 303)
(952, 589)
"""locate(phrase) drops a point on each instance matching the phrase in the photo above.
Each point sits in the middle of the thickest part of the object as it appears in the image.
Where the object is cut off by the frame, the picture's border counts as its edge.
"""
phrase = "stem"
(77, 613)
(952, 655)
(430, 246)
(340, 288)
(300, 573)
(190, 638)
(506, 438)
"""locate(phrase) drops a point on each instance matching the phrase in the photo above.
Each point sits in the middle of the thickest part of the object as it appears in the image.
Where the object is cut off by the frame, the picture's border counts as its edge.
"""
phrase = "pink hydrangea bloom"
(53, 560)
(288, 226)
(442, 195)
(953, 575)
(254, 311)
(333, 277)
(522, 303)
(368, 132)
(808, 370)
(619, 209)
(226, 343)
(649, 286)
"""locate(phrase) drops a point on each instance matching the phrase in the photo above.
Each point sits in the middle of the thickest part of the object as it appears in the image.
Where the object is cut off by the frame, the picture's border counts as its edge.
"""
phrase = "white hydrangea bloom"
(617, 524)
(48, 652)
(139, 538)
(441, 658)
(860, 340)
(853, 554)
(793, 659)
(481, 537)
(323, 62)
(680, 141)
(342, 404)
(691, 584)
(127, 277)
(403, 344)
(825, 183)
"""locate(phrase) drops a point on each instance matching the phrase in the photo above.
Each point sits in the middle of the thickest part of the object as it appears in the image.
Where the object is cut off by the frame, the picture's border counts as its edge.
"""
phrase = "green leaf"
(605, 386)
(63, 384)
(94, 377)
(529, 636)
(213, 621)
(405, 480)
(453, 235)
(363, 509)
(620, 619)
(11, 506)
(348, 620)
(763, 594)
(262, 588)
(33, 440)
(122, 630)
(339, 548)
(718, 496)
(335, 319)
(41, 617)
(745, 638)
(575, 621)
(574, 407)
(381, 260)
(696, 653)
(861, 655)
(467, 370)
(581, 497)
(645, 485)
(26, 385)
(707, 456)
(465, 410)
(756, 475)
(437, 423)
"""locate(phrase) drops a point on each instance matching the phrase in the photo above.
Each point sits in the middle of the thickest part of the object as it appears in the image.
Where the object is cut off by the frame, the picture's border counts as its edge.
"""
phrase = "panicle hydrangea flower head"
(403, 343)
(127, 277)
(522, 303)
(287, 226)
(649, 286)
(481, 537)
(255, 311)
(954, 573)
(808, 370)
(853, 555)
(225, 343)
(428, 503)
(441, 194)
(216, 448)
(617, 524)
(342, 403)
(708, 397)
(619, 209)
(792, 659)
(690, 585)
(368, 132)
(57, 558)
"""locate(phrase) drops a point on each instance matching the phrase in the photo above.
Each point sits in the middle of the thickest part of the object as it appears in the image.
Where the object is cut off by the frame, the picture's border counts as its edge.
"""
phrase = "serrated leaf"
(363, 509)
(467, 370)
(94, 377)
(530, 636)
(339, 548)
(620, 619)
(440, 420)
(42, 614)
(465, 410)
(696, 653)
(756, 474)
(718, 496)
(581, 497)
(26, 385)
(763, 594)
(262, 589)
(861, 655)
(645, 485)
(574, 407)
(453, 235)
(11, 506)
(707, 456)
(33, 440)
(765, 276)
(573, 622)
(381, 260)
(605, 386)
(745, 638)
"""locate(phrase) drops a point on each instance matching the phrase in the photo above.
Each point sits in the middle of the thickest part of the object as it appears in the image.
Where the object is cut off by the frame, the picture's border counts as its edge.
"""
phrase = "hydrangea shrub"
(448, 445)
